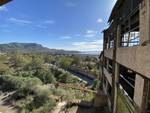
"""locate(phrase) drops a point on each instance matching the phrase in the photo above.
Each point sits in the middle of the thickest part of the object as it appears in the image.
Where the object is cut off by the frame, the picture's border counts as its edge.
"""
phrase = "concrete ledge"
(108, 76)
(108, 53)
(136, 58)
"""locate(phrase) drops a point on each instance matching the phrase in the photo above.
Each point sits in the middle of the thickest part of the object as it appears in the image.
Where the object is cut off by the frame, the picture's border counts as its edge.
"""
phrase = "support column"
(138, 92)
(144, 22)
(116, 69)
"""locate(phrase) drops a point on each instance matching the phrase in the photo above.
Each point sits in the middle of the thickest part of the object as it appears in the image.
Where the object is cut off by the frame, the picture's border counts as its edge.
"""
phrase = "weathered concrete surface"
(144, 21)
(136, 58)
(83, 72)
(100, 100)
(108, 53)
(108, 76)
(138, 92)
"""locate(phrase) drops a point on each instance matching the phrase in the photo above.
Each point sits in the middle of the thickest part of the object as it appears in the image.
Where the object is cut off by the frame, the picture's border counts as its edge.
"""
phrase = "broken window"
(105, 81)
(109, 91)
(110, 67)
(127, 80)
(105, 65)
(130, 34)
(107, 46)
(112, 43)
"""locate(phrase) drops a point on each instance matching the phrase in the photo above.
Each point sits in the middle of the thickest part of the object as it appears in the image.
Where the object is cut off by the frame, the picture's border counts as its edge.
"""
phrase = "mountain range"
(26, 48)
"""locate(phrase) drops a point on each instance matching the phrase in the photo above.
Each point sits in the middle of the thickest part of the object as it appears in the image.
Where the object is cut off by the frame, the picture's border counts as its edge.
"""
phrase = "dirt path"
(5, 107)
(60, 107)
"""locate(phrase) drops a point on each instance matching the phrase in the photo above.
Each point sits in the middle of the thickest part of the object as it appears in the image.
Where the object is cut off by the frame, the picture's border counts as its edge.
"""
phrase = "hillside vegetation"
(33, 78)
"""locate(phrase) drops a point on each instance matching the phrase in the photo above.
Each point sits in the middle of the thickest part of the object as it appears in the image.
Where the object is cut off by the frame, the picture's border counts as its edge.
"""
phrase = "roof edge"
(2, 2)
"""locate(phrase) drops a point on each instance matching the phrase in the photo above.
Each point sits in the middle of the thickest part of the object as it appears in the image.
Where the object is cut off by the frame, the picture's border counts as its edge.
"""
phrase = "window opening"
(127, 80)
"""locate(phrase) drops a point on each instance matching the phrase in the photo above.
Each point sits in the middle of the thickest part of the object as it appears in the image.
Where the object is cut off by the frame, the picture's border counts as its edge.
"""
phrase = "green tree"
(41, 74)
(19, 60)
(77, 60)
(36, 62)
(65, 62)
(95, 71)
(50, 78)
(48, 106)
(95, 84)
(49, 58)
(4, 69)
(87, 58)
(87, 69)
(90, 66)
(45, 75)
(65, 78)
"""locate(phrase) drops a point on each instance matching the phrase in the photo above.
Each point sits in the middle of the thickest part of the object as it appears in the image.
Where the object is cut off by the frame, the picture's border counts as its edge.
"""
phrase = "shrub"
(65, 78)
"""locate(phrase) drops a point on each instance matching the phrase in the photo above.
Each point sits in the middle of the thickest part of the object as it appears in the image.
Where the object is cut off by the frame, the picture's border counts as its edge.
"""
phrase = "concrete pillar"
(116, 90)
(144, 21)
(138, 91)
(145, 95)
(109, 42)
(118, 36)
(116, 69)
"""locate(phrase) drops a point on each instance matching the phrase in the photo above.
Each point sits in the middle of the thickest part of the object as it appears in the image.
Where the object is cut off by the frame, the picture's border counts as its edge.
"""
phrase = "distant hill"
(30, 48)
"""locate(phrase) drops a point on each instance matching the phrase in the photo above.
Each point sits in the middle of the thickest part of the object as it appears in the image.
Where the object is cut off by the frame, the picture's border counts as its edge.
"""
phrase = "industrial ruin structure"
(125, 60)
(2, 2)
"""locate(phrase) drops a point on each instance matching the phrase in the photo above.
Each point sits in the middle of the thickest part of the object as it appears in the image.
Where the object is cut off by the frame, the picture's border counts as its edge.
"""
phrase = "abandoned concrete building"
(125, 60)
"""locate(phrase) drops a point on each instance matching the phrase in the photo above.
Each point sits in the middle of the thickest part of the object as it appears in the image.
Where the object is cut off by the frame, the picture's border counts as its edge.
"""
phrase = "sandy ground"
(5, 107)
(60, 107)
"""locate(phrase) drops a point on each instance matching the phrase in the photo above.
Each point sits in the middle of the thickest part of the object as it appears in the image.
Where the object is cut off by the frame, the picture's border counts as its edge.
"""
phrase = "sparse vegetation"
(33, 78)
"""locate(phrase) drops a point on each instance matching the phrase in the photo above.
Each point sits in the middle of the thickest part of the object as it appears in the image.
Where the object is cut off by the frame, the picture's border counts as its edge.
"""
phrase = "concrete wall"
(82, 72)
(136, 58)
(108, 76)
(100, 100)
(108, 53)
(100, 71)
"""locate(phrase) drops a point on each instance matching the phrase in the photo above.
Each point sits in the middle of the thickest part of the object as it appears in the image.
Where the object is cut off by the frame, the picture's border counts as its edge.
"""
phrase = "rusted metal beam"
(75, 87)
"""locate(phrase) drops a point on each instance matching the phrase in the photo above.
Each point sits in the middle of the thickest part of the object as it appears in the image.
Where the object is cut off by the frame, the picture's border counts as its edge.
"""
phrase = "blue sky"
(59, 24)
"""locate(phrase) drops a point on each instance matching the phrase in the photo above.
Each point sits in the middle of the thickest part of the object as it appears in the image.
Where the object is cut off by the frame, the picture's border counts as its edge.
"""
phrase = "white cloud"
(3, 8)
(96, 45)
(40, 26)
(99, 20)
(97, 42)
(20, 21)
(65, 37)
(90, 31)
(49, 22)
(89, 35)
(79, 43)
